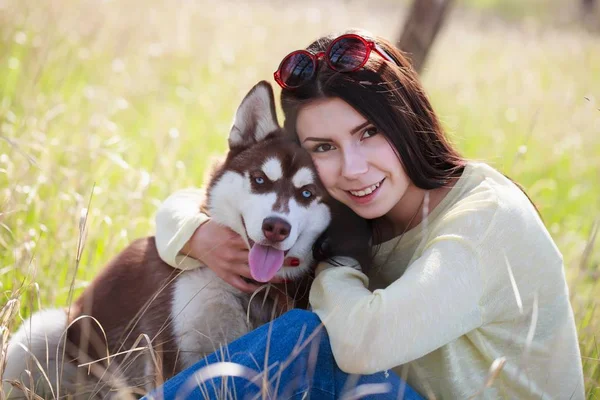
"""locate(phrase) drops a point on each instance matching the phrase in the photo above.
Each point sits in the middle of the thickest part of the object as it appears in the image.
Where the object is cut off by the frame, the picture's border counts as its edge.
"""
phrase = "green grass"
(118, 104)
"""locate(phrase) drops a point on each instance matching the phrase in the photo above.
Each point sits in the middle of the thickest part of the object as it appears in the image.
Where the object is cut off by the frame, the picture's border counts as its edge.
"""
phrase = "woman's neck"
(412, 208)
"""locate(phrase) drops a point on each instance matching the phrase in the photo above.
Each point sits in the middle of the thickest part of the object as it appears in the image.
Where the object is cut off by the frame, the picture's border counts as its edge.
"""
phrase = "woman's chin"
(368, 214)
(368, 211)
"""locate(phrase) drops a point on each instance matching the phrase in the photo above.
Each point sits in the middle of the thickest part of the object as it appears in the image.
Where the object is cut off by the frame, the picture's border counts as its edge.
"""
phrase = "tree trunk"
(421, 26)
(588, 5)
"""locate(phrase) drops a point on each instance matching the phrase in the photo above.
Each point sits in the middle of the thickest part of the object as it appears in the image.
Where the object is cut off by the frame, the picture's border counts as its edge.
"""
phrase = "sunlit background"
(107, 107)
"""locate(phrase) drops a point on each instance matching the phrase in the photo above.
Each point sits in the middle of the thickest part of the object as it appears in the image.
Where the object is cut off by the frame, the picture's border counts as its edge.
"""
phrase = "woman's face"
(356, 163)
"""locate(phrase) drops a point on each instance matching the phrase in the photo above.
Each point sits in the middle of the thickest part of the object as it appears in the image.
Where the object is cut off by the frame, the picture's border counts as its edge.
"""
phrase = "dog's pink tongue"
(264, 262)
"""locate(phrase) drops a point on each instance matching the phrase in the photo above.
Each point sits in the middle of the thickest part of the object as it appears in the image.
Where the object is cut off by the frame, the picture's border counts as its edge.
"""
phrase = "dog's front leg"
(206, 315)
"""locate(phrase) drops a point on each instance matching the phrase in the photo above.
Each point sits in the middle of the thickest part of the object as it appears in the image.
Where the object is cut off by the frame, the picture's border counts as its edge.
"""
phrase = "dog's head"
(268, 191)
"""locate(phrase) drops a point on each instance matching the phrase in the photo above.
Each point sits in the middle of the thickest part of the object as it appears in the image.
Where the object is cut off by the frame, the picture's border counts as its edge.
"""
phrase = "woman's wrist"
(190, 248)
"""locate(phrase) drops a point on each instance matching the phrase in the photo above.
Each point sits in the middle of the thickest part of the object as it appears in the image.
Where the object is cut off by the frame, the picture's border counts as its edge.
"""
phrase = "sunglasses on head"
(346, 53)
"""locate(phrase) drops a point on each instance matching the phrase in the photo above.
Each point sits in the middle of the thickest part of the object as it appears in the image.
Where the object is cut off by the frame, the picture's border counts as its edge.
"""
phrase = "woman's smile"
(366, 194)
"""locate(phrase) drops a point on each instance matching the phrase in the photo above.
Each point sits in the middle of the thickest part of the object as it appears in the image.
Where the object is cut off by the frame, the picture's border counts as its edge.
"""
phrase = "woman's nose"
(354, 164)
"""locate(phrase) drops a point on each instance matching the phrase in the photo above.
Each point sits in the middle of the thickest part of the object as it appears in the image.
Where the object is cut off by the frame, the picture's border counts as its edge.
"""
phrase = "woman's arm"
(177, 219)
(433, 303)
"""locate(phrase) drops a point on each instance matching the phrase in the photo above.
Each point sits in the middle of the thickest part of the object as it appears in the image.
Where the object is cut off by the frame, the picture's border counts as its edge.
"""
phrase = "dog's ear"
(255, 118)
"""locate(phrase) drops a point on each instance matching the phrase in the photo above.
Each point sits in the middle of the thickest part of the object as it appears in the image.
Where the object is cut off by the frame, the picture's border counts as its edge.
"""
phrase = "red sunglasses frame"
(369, 46)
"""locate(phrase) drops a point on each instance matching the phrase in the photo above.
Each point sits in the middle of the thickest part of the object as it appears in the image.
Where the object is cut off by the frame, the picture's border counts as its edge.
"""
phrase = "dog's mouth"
(264, 260)
(252, 243)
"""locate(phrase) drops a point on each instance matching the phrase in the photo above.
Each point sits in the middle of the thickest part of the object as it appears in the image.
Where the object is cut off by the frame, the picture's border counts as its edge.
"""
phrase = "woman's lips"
(366, 195)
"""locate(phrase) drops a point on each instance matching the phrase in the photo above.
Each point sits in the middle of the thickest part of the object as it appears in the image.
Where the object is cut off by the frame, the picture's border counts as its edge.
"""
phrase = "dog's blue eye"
(306, 193)
(259, 180)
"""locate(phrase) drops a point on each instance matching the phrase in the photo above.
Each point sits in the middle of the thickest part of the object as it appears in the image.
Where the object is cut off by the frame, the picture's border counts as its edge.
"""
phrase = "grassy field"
(107, 107)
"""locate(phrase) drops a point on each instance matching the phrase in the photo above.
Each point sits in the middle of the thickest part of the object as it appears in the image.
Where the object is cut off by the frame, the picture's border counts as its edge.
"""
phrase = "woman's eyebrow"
(359, 127)
(325, 140)
(316, 139)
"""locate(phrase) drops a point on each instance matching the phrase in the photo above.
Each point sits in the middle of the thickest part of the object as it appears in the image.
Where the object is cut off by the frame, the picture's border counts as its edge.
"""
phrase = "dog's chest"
(207, 313)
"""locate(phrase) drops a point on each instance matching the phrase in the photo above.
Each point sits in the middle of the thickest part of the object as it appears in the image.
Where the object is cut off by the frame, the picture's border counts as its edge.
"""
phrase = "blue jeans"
(296, 363)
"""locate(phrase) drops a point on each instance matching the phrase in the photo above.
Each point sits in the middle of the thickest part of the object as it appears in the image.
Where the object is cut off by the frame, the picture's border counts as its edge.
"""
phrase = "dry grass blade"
(493, 373)
(589, 246)
(107, 358)
(41, 369)
(8, 313)
(158, 377)
(266, 288)
(83, 218)
(133, 323)
(523, 148)
(513, 284)
(533, 324)
(12, 143)
(367, 389)
(30, 394)
(212, 371)
(265, 387)
(63, 340)
(590, 358)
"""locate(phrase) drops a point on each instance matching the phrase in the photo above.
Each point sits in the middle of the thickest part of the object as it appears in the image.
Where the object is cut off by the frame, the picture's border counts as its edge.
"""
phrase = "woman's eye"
(323, 147)
(369, 132)
(306, 193)
(259, 179)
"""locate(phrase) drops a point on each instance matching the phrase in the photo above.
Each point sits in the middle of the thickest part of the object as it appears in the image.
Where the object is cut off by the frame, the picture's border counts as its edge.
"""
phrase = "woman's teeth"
(366, 191)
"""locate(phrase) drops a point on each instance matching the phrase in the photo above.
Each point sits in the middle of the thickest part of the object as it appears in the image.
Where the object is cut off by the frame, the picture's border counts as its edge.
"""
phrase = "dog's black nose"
(276, 229)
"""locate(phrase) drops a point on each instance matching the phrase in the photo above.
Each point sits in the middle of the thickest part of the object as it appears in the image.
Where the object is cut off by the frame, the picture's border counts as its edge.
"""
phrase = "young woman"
(467, 294)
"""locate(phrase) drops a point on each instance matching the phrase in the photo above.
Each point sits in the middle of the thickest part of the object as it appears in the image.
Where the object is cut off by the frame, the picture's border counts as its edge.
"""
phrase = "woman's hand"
(223, 251)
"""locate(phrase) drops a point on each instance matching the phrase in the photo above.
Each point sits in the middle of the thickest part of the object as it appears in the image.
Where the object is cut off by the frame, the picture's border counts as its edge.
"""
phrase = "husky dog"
(141, 321)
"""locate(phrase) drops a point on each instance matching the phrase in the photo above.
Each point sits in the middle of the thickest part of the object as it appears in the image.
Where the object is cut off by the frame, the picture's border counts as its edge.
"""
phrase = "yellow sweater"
(474, 295)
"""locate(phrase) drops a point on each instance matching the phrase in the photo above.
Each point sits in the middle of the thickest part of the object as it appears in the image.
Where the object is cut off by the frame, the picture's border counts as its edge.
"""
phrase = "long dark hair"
(392, 98)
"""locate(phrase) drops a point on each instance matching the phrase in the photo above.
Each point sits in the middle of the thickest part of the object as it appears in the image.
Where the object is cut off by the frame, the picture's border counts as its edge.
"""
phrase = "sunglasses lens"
(296, 69)
(347, 54)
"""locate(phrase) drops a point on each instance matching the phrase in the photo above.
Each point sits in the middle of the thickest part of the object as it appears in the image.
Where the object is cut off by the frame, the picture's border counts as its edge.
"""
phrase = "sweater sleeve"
(177, 219)
(434, 302)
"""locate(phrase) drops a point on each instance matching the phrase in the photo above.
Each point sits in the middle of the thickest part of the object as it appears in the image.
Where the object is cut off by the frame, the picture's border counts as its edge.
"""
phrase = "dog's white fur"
(303, 177)
(34, 346)
(272, 168)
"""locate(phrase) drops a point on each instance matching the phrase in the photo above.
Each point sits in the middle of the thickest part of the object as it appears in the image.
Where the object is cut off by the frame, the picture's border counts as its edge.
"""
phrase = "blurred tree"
(589, 13)
(588, 5)
(588, 8)
(421, 26)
